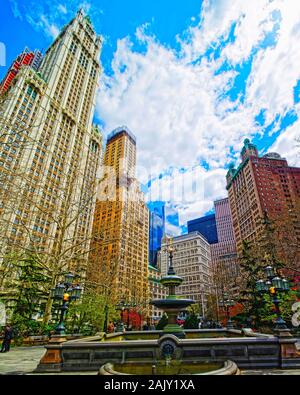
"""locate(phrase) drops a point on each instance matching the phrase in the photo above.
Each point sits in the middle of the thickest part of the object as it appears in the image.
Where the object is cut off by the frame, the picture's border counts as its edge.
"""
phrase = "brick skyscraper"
(262, 185)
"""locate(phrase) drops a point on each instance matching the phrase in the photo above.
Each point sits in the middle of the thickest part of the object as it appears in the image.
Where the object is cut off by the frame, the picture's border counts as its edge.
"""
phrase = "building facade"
(156, 291)
(259, 186)
(224, 257)
(119, 257)
(192, 262)
(206, 226)
(156, 230)
(26, 58)
(50, 150)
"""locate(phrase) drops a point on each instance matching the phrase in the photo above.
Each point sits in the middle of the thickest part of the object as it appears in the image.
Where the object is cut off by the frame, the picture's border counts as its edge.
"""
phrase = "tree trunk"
(47, 312)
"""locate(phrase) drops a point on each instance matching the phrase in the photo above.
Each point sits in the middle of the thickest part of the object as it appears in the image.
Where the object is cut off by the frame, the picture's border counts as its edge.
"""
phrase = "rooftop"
(203, 219)
(188, 236)
(121, 130)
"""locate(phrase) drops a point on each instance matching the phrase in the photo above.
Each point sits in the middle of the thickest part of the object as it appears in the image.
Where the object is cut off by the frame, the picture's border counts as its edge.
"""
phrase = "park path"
(20, 360)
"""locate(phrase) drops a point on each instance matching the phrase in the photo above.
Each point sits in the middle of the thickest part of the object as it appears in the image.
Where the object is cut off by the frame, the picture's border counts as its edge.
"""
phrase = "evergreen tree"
(162, 323)
(267, 244)
(254, 259)
(251, 271)
(28, 288)
(191, 321)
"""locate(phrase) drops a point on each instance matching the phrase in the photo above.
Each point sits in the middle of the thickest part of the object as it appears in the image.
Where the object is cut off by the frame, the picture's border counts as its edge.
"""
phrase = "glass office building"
(206, 226)
(156, 230)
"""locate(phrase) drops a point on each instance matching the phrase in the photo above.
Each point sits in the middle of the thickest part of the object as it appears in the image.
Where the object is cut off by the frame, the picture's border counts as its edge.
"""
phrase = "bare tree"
(57, 233)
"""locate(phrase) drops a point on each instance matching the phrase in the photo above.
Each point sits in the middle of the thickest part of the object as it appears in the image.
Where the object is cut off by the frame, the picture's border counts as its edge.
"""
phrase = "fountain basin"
(176, 368)
(171, 280)
(172, 303)
(246, 349)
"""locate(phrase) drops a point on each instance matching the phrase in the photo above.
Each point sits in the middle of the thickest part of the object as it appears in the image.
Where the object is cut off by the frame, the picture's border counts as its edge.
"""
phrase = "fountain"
(171, 351)
(173, 304)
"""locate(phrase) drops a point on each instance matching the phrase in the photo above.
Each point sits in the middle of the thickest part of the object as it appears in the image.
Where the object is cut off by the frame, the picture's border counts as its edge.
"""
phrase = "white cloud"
(16, 10)
(178, 108)
(288, 144)
(50, 28)
(62, 8)
(276, 70)
(172, 230)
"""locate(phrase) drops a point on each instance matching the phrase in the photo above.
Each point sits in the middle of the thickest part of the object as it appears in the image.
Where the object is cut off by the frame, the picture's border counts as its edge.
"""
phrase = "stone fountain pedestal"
(173, 304)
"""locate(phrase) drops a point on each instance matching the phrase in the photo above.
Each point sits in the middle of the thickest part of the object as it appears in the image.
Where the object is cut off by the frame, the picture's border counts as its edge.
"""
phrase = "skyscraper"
(50, 151)
(26, 58)
(225, 264)
(206, 226)
(259, 186)
(119, 256)
(156, 230)
(192, 262)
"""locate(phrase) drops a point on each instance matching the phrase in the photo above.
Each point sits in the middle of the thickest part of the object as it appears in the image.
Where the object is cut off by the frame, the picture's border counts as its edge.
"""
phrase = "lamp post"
(274, 285)
(66, 292)
(105, 318)
(228, 303)
(123, 306)
(120, 307)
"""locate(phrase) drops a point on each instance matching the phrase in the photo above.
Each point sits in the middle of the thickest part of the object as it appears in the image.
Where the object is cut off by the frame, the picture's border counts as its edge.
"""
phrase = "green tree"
(268, 313)
(267, 245)
(162, 323)
(88, 316)
(192, 321)
(26, 291)
(251, 271)
(254, 259)
(28, 287)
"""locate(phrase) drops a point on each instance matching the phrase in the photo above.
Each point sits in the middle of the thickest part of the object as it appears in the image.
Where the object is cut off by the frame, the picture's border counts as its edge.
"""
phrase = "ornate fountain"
(173, 304)
(171, 351)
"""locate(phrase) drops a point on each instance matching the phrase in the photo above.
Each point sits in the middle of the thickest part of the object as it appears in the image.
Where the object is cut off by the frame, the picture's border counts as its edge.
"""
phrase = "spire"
(248, 150)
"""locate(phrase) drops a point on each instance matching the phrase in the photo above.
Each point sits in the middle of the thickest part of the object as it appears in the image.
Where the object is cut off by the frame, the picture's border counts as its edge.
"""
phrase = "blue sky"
(113, 19)
(191, 79)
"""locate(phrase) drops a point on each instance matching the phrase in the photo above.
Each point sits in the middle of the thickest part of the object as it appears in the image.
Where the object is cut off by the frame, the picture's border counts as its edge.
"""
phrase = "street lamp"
(274, 285)
(122, 306)
(228, 303)
(65, 292)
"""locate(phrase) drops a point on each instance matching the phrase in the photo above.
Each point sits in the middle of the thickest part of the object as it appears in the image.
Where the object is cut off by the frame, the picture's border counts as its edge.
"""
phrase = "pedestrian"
(111, 327)
(8, 335)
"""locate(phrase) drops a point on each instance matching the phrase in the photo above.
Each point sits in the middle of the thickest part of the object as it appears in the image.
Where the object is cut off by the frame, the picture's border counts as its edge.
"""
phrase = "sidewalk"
(20, 360)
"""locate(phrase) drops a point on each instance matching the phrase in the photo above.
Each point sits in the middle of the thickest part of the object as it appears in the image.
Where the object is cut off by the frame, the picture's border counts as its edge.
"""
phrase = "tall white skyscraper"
(50, 151)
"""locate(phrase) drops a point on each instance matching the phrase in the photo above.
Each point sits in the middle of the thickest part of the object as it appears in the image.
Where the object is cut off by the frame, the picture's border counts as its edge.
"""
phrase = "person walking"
(111, 327)
(8, 335)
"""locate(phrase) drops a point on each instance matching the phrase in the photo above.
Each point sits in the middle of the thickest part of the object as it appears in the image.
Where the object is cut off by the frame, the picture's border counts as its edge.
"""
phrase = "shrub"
(162, 323)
